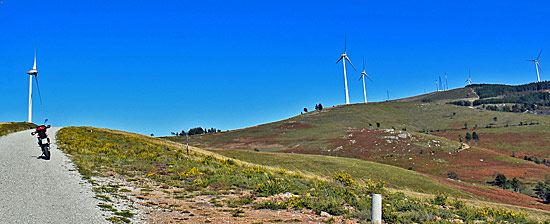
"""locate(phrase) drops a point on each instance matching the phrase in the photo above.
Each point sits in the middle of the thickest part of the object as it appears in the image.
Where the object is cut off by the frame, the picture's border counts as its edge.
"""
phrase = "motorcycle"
(43, 141)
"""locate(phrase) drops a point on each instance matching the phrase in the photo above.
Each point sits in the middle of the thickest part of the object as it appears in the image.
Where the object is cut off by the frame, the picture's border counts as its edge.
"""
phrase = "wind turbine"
(33, 72)
(363, 75)
(469, 80)
(345, 57)
(446, 82)
(537, 65)
(437, 85)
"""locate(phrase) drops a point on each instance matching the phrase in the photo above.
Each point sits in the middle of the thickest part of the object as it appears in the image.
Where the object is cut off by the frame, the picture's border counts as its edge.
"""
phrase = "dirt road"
(34, 190)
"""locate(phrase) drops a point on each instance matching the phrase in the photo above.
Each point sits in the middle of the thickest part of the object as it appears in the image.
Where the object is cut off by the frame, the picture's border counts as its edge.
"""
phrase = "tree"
(465, 125)
(152, 135)
(475, 137)
(320, 106)
(543, 190)
(500, 180)
(305, 110)
(196, 131)
(173, 133)
(468, 137)
(452, 175)
(316, 107)
(460, 138)
(378, 124)
(515, 184)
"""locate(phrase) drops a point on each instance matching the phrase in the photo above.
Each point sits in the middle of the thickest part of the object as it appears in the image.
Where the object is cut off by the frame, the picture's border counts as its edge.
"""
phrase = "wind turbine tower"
(446, 82)
(469, 80)
(537, 65)
(363, 75)
(33, 72)
(345, 57)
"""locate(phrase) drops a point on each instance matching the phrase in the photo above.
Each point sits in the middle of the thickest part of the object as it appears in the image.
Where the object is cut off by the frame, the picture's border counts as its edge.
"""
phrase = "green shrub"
(298, 203)
(440, 199)
(271, 187)
(344, 178)
(332, 206)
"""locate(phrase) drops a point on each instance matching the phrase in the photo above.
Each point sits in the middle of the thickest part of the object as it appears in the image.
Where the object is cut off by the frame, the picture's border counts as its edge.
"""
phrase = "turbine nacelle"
(32, 72)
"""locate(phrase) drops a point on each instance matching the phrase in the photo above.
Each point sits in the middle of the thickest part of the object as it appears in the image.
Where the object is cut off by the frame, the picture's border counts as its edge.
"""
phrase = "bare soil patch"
(159, 203)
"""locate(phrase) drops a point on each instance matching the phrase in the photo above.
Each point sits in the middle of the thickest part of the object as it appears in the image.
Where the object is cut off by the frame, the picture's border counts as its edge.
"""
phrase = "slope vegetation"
(11, 127)
(419, 136)
(169, 185)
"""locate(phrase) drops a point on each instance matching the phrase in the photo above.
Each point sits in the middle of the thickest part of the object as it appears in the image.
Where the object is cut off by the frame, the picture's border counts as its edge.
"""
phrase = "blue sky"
(162, 66)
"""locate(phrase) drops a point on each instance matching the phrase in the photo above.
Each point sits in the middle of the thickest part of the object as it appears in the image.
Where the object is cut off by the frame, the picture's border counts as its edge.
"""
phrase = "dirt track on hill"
(42, 191)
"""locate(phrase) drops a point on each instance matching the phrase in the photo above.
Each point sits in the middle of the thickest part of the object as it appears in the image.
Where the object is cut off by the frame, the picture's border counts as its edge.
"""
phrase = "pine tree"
(468, 137)
(475, 137)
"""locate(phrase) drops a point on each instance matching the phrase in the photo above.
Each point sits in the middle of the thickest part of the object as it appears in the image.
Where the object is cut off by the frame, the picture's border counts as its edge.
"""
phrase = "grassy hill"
(11, 127)
(419, 136)
(202, 186)
(465, 93)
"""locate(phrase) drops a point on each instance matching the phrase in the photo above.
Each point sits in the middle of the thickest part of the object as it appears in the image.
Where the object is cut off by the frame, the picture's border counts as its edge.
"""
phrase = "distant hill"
(465, 93)
(489, 93)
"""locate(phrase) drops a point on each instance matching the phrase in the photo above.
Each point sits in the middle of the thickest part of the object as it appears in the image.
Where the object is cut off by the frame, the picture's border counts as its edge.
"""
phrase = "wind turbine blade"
(34, 65)
(339, 60)
(350, 63)
(38, 87)
(368, 77)
(539, 66)
(345, 41)
(539, 55)
(361, 76)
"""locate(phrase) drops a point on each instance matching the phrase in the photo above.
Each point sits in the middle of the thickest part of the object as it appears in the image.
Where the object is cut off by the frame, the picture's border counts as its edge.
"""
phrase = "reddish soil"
(475, 165)
(499, 195)
(248, 143)
(523, 143)
(471, 164)
(294, 126)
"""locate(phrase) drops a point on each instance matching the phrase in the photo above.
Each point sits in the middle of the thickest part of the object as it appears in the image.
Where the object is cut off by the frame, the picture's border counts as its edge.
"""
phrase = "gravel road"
(42, 191)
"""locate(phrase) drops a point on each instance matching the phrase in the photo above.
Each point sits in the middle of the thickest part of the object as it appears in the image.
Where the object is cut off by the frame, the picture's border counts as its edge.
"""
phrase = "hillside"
(465, 93)
(11, 127)
(144, 179)
(419, 136)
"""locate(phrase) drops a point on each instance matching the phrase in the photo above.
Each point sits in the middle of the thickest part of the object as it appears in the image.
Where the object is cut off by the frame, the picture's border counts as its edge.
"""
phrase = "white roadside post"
(377, 208)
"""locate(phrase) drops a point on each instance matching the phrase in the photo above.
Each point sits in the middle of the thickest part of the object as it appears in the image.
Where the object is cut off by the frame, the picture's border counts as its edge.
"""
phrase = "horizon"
(159, 68)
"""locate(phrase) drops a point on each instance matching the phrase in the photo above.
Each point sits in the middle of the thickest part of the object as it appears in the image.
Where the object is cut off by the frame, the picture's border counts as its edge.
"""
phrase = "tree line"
(469, 137)
(540, 190)
(318, 107)
(540, 98)
(196, 131)
(492, 90)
